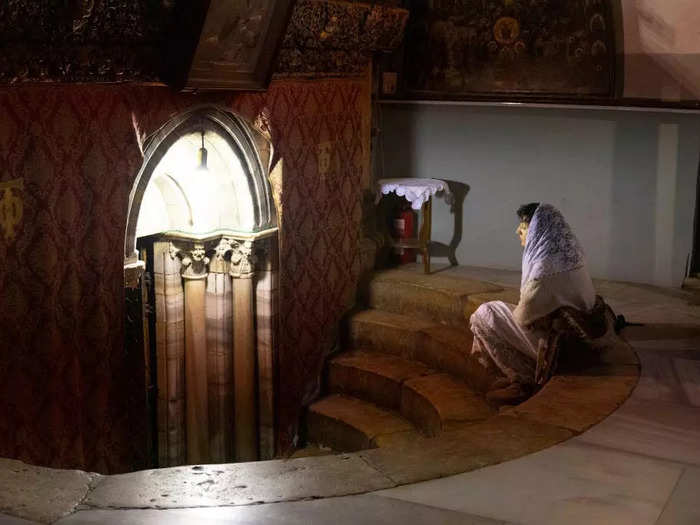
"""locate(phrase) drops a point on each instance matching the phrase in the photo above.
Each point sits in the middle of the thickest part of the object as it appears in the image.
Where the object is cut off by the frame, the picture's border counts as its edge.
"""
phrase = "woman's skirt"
(499, 340)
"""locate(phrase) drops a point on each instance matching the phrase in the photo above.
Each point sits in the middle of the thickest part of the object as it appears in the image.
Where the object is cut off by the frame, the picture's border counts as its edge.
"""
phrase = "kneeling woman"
(554, 274)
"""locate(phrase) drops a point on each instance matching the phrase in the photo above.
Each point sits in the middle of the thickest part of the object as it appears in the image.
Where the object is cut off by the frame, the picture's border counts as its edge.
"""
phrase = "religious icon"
(506, 30)
(538, 48)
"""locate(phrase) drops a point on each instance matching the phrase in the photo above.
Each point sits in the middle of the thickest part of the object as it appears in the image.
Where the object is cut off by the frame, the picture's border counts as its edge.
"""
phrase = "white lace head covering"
(550, 247)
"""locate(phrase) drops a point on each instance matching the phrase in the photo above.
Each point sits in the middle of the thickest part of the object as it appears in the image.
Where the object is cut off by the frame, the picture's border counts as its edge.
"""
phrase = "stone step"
(441, 299)
(450, 350)
(691, 283)
(372, 376)
(440, 347)
(347, 424)
(386, 332)
(312, 450)
(430, 400)
(507, 295)
(439, 402)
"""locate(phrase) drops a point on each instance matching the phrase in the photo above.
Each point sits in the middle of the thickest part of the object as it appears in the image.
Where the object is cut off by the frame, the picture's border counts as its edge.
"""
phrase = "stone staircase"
(406, 369)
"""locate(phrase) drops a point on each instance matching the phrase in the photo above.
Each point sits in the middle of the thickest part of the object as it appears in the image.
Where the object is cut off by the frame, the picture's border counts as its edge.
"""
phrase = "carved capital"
(132, 273)
(219, 263)
(193, 258)
(243, 259)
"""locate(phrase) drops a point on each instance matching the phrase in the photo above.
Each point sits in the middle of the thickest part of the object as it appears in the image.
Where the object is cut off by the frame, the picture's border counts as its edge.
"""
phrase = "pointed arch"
(252, 148)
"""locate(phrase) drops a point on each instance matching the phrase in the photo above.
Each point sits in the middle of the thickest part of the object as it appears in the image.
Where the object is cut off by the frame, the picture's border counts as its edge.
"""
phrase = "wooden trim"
(627, 104)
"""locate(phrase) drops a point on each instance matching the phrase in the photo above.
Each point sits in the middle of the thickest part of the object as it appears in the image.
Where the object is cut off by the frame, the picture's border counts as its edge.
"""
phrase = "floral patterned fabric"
(70, 395)
(551, 247)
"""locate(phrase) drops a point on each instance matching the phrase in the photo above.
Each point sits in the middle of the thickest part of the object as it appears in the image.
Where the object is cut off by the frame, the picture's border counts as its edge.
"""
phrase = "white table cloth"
(416, 191)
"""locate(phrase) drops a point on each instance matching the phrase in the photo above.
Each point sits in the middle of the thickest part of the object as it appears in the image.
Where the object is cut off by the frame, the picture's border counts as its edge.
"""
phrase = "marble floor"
(641, 465)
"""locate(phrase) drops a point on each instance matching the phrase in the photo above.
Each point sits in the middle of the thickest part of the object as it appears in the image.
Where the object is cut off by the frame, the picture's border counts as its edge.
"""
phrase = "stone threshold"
(567, 405)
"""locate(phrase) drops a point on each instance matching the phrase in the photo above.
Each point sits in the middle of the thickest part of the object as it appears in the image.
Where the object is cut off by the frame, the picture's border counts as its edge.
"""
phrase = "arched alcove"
(202, 231)
(221, 128)
(182, 196)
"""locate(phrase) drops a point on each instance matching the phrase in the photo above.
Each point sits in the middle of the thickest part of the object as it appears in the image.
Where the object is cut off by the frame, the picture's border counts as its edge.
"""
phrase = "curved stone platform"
(566, 406)
(405, 368)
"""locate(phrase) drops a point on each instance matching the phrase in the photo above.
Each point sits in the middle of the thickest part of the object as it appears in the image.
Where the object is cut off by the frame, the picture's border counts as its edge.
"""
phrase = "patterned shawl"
(550, 247)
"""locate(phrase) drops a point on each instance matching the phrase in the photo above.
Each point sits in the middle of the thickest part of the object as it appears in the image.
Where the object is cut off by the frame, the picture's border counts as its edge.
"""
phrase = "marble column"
(244, 355)
(219, 312)
(170, 356)
(266, 314)
(194, 274)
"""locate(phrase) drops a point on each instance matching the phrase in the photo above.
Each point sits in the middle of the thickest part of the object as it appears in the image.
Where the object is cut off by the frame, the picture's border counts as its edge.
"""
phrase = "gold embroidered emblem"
(506, 30)
(11, 207)
(324, 152)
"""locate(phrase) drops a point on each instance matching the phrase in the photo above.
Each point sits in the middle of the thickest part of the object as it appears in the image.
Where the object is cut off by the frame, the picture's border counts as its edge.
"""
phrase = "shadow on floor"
(657, 331)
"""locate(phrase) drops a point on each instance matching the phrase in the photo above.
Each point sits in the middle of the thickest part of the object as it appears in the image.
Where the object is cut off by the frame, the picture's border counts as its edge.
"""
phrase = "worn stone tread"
(372, 376)
(579, 400)
(386, 332)
(389, 319)
(438, 346)
(434, 401)
(348, 424)
(495, 440)
(691, 283)
(459, 338)
(507, 295)
(389, 366)
(437, 298)
(392, 320)
(458, 286)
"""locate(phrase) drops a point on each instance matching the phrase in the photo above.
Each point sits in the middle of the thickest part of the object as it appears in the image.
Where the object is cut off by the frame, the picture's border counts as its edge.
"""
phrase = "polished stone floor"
(641, 465)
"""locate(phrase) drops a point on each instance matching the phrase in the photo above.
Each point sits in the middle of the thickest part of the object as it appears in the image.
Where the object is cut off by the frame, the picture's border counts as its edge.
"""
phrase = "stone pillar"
(244, 355)
(266, 313)
(194, 273)
(219, 312)
(170, 356)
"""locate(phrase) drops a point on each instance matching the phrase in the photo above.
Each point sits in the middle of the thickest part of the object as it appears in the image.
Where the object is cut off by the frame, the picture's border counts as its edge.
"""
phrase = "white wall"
(625, 181)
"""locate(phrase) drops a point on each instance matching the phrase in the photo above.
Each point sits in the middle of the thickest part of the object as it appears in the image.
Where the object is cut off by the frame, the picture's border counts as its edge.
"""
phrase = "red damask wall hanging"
(67, 389)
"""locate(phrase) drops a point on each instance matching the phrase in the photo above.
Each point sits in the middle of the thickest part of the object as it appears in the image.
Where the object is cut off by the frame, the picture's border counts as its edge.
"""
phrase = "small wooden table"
(419, 192)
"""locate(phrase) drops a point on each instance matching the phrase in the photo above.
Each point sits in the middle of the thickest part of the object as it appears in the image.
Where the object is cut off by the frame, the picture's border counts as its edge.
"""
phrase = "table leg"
(425, 233)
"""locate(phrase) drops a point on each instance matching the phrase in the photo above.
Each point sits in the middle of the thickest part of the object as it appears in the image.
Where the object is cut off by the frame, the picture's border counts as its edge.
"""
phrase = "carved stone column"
(266, 312)
(194, 273)
(219, 313)
(244, 355)
(170, 356)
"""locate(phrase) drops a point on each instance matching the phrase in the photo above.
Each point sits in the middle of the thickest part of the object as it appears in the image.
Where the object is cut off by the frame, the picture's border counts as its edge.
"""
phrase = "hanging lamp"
(202, 156)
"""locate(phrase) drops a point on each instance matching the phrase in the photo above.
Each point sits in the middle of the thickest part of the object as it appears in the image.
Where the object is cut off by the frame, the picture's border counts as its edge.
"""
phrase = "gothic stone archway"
(205, 310)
